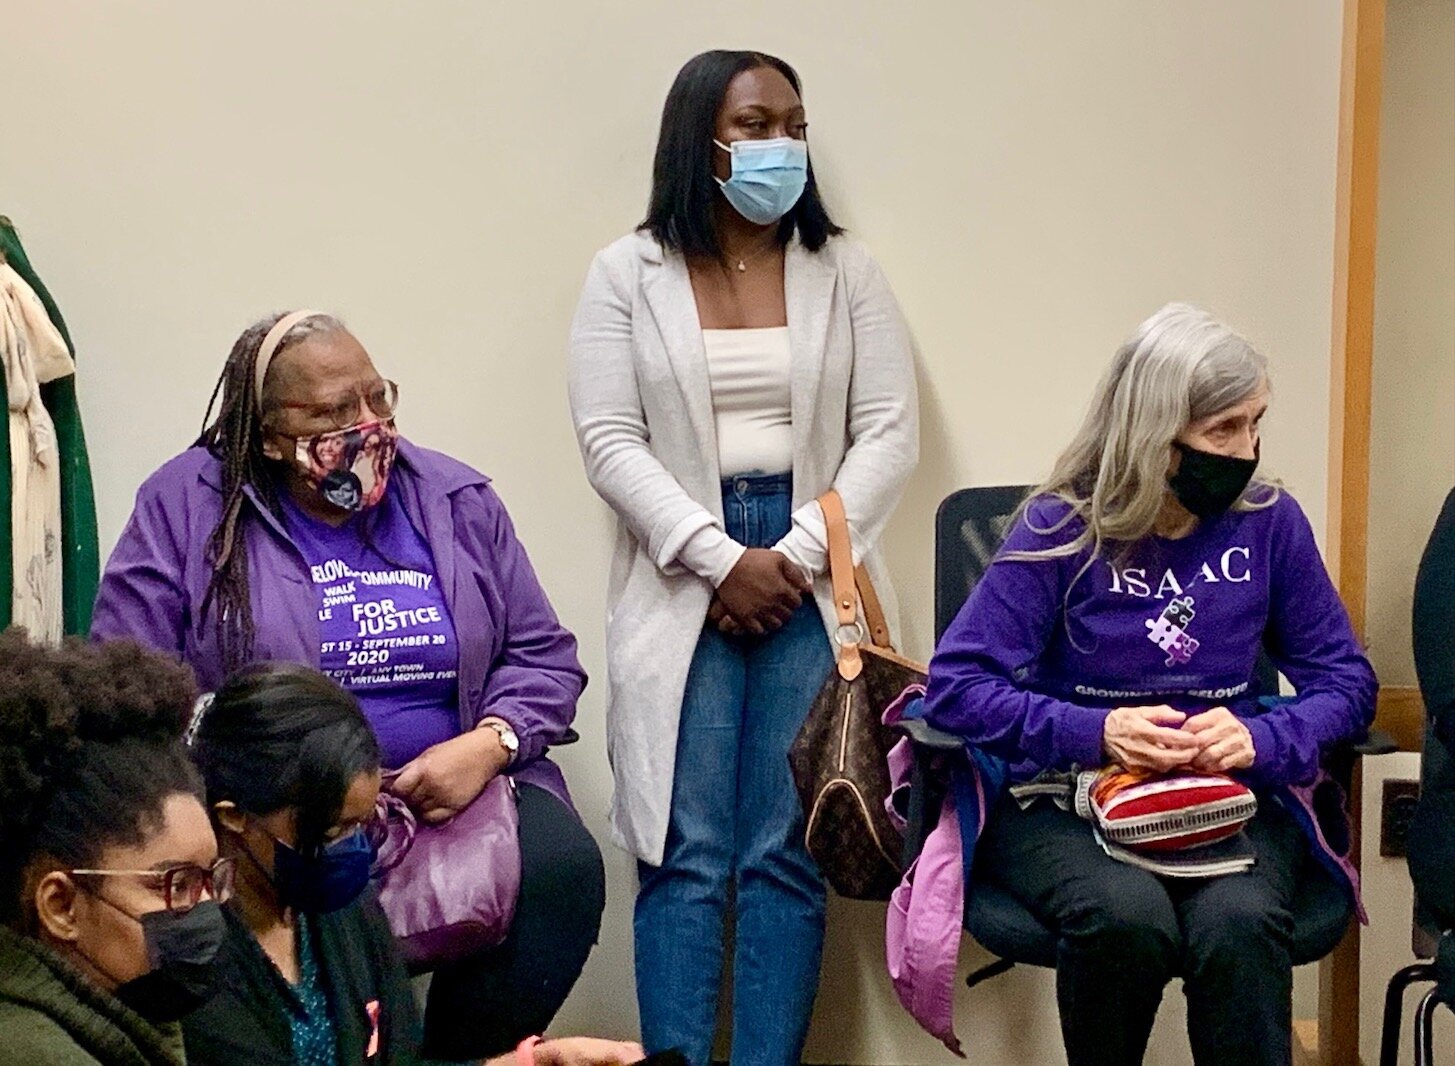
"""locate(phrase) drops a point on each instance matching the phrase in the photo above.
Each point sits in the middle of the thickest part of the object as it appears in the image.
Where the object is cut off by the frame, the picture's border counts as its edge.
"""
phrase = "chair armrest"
(924, 735)
(1341, 760)
(927, 783)
(1375, 742)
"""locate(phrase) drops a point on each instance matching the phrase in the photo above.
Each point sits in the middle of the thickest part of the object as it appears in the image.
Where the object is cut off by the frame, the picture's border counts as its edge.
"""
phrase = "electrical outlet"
(1400, 798)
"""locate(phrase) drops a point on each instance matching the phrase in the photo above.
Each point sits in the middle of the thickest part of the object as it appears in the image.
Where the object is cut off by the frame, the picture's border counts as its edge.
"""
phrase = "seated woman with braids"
(110, 927)
(313, 975)
(302, 528)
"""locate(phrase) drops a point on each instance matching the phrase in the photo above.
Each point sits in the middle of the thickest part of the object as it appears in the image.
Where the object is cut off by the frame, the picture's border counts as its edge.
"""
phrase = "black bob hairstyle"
(90, 751)
(684, 191)
(279, 735)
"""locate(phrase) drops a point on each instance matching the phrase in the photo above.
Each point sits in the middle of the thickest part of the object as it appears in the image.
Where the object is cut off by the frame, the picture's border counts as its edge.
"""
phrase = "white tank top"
(749, 372)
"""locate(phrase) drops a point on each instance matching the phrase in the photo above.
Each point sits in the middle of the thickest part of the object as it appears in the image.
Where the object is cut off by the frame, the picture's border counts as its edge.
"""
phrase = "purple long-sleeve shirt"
(1042, 651)
(516, 661)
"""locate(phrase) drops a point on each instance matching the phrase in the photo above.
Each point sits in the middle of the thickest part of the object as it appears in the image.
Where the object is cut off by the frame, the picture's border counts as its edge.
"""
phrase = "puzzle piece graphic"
(1165, 632)
(1162, 633)
(1179, 612)
(1181, 649)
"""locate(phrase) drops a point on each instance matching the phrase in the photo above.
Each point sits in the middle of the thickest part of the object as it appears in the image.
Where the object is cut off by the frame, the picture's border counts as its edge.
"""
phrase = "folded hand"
(445, 779)
(1148, 738)
(760, 593)
(1224, 742)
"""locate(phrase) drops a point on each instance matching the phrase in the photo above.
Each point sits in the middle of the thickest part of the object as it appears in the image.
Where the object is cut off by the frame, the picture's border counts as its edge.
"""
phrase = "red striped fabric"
(1169, 812)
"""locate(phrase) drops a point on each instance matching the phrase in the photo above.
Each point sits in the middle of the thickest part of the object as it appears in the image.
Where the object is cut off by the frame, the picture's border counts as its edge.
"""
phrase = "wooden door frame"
(1350, 388)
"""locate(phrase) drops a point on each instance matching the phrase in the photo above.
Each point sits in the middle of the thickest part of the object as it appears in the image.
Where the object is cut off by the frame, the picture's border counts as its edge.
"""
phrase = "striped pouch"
(1162, 813)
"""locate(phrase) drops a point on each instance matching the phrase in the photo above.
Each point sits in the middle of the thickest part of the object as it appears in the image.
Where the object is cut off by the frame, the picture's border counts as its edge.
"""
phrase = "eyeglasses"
(381, 398)
(182, 886)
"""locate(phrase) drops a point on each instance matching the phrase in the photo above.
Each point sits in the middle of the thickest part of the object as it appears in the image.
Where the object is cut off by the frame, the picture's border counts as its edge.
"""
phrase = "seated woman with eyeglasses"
(302, 528)
(109, 876)
(1121, 624)
(313, 976)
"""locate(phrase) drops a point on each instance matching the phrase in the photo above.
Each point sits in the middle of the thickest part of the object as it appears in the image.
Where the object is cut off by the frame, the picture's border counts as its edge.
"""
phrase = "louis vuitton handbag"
(840, 756)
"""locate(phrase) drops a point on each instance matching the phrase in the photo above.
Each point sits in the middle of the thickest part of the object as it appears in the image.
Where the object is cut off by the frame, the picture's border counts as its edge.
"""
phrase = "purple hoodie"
(1044, 649)
(517, 661)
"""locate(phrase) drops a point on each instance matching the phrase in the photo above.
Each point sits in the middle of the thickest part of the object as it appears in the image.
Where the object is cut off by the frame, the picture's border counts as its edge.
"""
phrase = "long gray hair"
(1180, 366)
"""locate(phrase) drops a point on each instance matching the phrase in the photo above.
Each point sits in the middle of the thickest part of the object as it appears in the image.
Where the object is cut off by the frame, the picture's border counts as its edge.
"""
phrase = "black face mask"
(1206, 483)
(183, 950)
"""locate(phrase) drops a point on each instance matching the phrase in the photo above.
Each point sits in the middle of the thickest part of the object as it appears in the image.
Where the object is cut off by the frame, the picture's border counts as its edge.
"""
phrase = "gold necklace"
(743, 262)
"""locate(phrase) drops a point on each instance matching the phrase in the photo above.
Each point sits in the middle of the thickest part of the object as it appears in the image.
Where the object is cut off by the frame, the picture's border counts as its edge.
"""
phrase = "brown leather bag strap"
(873, 610)
(841, 575)
(841, 558)
(858, 589)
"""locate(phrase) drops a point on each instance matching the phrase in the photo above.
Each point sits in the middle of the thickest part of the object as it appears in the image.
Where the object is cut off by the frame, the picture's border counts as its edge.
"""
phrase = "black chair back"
(970, 526)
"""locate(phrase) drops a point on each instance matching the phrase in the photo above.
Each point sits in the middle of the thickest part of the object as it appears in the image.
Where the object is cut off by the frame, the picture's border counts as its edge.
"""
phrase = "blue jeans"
(736, 823)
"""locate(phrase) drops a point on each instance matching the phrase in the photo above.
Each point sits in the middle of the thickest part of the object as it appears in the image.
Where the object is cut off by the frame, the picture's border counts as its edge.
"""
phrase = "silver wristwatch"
(508, 739)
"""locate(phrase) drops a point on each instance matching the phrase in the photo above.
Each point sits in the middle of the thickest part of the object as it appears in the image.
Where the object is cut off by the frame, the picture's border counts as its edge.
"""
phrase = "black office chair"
(969, 528)
(1431, 940)
(1432, 831)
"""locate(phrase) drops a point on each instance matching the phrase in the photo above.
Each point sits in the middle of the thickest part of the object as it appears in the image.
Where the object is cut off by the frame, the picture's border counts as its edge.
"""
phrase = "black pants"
(1124, 933)
(485, 1005)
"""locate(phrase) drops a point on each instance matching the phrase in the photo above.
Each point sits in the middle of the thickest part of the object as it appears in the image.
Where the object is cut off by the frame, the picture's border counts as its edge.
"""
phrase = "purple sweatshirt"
(1041, 652)
(516, 660)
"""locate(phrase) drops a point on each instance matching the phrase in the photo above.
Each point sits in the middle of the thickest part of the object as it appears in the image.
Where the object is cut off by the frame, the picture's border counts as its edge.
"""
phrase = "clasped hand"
(445, 779)
(759, 595)
(1161, 739)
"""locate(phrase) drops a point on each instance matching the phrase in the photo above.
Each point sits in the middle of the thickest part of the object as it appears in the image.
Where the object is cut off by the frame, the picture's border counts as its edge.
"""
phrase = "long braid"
(235, 437)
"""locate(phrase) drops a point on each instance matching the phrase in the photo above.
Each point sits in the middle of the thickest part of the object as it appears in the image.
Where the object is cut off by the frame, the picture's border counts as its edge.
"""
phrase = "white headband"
(270, 347)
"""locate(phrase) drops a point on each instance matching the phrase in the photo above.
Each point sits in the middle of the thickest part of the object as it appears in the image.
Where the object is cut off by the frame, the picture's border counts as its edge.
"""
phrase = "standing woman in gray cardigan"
(731, 360)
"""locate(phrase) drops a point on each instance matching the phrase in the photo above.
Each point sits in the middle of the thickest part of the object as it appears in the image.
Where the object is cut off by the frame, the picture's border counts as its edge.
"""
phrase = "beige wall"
(1412, 450)
(1412, 447)
(1035, 177)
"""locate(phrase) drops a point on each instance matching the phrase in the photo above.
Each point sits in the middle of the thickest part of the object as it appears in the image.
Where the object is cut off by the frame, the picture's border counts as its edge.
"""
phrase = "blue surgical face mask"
(768, 177)
(328, 881)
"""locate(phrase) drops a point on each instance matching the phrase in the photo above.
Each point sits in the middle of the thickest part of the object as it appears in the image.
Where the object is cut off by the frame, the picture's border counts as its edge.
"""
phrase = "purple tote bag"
(448, 890)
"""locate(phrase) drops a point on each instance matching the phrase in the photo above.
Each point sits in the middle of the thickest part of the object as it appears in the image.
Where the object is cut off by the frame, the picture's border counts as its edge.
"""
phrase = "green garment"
(50, 1014)
(81, 564)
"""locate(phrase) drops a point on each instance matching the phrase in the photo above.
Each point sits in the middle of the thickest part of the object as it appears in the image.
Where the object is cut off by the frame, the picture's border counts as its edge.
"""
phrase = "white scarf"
(33, 353)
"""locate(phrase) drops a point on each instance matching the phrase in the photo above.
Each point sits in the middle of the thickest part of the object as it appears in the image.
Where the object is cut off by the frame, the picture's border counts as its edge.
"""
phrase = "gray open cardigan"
(642, 405)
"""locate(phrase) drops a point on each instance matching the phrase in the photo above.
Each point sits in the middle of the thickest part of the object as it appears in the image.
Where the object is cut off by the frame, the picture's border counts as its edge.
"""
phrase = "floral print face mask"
(349, 468)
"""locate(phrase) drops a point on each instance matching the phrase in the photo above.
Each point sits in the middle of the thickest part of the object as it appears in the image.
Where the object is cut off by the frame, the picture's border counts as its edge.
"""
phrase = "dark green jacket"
(369, 996)
(82, 564)
(50, 1015)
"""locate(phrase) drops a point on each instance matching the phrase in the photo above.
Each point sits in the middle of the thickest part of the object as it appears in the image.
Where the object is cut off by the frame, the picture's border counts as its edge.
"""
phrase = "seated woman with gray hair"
(302, 528)
(1120, 624)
